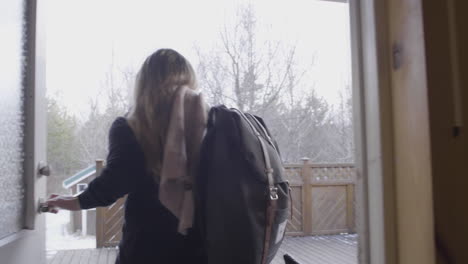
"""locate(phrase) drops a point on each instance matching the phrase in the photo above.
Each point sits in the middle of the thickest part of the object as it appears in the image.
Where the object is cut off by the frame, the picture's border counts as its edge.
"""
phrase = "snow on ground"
(59, 237)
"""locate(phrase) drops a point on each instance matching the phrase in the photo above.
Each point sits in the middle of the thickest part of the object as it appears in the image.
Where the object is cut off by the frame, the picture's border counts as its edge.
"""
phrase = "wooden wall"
(447, 67)
(411, 139)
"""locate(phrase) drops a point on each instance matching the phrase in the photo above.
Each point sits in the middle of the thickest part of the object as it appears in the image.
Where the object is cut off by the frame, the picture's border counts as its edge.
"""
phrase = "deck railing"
(323, 203)
(109, 220)
(323, 198)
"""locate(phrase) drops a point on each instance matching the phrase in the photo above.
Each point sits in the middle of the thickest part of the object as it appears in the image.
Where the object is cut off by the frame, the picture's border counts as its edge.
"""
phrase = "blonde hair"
(159, 77)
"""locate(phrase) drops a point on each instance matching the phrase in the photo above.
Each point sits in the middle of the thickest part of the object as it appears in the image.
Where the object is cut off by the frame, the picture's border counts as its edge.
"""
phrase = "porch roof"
(79, 176)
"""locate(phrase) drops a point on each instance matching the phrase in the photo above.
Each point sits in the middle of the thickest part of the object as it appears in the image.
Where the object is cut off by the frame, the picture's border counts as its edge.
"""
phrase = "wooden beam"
(306, 197)
(412, 146)
(99, 212)
(350, 207)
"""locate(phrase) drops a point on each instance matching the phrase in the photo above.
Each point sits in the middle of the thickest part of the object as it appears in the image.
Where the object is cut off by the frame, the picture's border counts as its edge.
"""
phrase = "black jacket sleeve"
(124, 165)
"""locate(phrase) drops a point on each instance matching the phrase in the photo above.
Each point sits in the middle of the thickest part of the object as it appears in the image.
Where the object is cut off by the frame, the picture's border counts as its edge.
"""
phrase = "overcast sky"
(83, 35)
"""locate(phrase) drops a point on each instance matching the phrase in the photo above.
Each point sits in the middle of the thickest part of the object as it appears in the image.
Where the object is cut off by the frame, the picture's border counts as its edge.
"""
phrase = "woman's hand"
(66, 202)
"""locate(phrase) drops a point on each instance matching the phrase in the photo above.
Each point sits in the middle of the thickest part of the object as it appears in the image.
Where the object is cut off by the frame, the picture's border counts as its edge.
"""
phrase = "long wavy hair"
(159, 77)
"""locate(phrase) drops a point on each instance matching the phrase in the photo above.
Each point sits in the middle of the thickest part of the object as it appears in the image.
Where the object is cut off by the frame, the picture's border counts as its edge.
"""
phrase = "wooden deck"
(340, 249)
(82, 256)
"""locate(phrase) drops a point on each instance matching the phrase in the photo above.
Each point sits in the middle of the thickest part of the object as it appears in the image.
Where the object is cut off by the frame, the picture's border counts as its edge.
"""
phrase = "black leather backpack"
(242, 198)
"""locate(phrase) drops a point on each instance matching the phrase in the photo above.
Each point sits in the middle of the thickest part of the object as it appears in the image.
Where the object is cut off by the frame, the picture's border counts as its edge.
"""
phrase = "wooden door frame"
(386, 223)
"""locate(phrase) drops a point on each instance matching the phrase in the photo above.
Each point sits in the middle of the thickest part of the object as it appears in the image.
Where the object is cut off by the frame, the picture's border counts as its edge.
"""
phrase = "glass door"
(22, 132)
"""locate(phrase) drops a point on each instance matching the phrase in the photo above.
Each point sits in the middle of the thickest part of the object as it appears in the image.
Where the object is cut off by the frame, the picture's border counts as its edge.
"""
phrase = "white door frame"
(373, 132)
(28, 245)
(35, 113)
(372, 120)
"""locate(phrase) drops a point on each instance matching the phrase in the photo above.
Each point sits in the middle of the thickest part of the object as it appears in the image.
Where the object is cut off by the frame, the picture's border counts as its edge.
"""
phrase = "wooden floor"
(340, 249)
(82, 256)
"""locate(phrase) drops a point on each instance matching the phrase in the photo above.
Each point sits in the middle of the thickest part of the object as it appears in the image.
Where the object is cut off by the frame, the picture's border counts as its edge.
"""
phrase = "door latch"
(44, 169)
(43, 207)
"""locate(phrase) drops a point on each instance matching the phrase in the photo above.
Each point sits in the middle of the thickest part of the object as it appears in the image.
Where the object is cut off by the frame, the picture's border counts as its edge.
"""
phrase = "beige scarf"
(181, 155)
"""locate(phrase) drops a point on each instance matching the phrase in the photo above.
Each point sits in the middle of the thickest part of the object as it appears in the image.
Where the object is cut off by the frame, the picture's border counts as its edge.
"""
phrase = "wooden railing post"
(99, 211)
(350, 207)
(306, 196)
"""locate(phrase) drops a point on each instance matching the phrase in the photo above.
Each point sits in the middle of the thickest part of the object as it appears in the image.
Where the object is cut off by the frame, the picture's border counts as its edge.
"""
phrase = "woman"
(152, 156)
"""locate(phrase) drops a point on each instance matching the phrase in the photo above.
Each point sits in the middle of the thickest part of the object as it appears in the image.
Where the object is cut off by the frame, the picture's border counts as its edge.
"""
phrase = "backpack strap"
(273, 190)
(268, 169)
(265, 131)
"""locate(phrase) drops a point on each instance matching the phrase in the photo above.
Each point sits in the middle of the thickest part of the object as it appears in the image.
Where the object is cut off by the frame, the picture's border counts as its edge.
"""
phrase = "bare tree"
(61, 144)
(342, 134)
(113, 100)
(266, 78)
(244, 71)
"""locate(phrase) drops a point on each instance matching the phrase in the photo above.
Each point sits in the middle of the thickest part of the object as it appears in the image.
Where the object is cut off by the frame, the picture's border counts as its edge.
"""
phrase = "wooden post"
(99, 211)
(306, 197)
(350, 207)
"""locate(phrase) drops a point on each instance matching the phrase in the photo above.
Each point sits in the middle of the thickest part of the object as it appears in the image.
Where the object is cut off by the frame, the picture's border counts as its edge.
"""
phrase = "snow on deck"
(59, 237)
(338, 249)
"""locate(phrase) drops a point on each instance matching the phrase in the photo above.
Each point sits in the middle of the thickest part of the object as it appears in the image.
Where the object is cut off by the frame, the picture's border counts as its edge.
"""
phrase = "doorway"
(295, 72)
(377, 241)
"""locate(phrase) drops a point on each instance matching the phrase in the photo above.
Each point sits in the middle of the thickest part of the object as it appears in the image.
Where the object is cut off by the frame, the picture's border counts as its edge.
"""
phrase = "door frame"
(372, 115)
(387, 220)
(35, 111)
(377, 225)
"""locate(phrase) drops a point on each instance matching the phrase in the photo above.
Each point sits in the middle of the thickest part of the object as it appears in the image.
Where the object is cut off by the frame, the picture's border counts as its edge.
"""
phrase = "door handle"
(44, 169)
(43, 207)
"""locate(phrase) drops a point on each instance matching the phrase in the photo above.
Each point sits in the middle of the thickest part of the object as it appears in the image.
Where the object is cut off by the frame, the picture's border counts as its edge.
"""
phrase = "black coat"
(150, 231)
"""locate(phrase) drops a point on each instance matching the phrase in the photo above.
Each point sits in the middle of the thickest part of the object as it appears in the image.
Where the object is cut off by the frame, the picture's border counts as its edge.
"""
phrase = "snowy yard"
(59, 237)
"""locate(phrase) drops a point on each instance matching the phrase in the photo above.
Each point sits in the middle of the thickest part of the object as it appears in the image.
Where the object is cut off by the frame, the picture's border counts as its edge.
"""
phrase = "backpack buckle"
(273, 193)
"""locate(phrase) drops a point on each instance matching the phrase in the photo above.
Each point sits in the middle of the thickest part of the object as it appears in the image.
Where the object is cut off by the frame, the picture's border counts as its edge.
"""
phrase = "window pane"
(11, 124)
